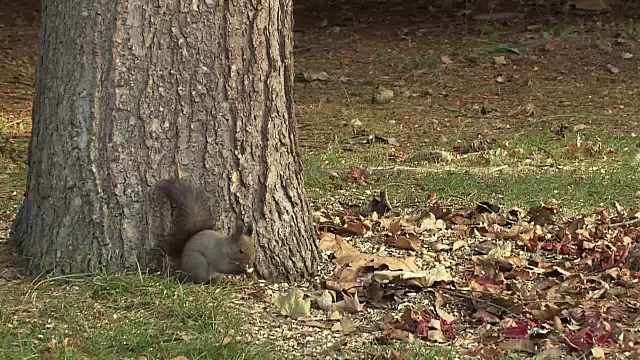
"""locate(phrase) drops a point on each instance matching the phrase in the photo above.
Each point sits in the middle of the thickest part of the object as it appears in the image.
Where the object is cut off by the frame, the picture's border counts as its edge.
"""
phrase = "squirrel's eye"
(241, 251)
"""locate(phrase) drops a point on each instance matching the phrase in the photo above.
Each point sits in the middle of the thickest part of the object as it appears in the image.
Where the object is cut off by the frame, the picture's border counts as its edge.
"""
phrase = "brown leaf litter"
(484, 281)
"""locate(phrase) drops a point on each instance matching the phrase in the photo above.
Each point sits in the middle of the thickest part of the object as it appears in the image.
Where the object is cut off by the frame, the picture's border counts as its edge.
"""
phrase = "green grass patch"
(122, 317)
(523, 171)
(13, 173)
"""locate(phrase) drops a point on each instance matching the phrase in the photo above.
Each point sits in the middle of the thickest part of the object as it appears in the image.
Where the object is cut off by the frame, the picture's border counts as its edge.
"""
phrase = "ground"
(536, 114)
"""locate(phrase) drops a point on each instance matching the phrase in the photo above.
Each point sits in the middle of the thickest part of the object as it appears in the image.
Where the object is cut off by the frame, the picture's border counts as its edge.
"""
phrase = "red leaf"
(517, 332)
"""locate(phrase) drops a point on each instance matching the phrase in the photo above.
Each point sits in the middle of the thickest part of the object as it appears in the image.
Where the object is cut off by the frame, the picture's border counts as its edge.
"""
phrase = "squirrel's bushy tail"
(190, 213)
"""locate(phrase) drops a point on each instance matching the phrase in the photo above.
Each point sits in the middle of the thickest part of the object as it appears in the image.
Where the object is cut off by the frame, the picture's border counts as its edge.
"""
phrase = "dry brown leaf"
(359, 175)
(409, 242)
(439, 301)
(347, 286)
(436, 335)
(334, 314)
(398, 334)
(70, 342)
(360, 260)
(489, 218)
(316, 323)
(335, 244)
(597, 352)
(345, 278)
(501, 251)
(439, 246)
(458, 244)
(345, 325)
(394, 228)
(547, 312)
(483, 314)
(431, 223)
(417, 278)
(386, 223)
(346, 274)
(358, 229)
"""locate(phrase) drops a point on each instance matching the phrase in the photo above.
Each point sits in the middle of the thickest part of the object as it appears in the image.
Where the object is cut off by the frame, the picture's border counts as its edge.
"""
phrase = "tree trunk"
(131, 92)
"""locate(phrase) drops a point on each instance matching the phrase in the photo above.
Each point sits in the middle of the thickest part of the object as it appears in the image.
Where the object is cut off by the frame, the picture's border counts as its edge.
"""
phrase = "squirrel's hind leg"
(195, 267)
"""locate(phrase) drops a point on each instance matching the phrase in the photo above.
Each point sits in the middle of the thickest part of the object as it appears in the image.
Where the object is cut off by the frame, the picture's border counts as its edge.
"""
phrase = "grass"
(536, 170)
(122, 317)
(13, 174)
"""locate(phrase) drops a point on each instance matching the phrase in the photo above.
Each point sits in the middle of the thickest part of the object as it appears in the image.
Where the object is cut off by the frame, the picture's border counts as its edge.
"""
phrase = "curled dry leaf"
(350, 304)
(518, 331)
(325, 300)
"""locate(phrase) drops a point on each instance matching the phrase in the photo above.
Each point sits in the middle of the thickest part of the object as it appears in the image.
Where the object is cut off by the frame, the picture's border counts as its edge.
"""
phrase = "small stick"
(630, 222)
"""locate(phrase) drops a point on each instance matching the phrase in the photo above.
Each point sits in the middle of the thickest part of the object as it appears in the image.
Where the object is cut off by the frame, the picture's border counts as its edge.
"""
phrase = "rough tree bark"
(131, 92)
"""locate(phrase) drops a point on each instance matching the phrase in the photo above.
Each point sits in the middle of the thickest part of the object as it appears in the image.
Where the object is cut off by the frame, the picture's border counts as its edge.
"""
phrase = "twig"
(555, 161)
(489, 302)
(475, 202)
(344, 89)
(499, 168)
(629, 222)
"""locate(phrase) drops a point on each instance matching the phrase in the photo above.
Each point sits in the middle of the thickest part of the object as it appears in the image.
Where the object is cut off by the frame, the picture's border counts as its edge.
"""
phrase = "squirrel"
(201, 253)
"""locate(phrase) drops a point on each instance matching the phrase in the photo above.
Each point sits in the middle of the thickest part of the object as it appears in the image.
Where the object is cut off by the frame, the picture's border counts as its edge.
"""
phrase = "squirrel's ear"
(238, 226)
(242, 229)
(248, 230)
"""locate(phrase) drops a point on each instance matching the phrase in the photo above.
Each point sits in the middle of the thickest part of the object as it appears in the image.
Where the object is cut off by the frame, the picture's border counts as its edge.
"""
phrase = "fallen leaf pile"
(495, 280)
